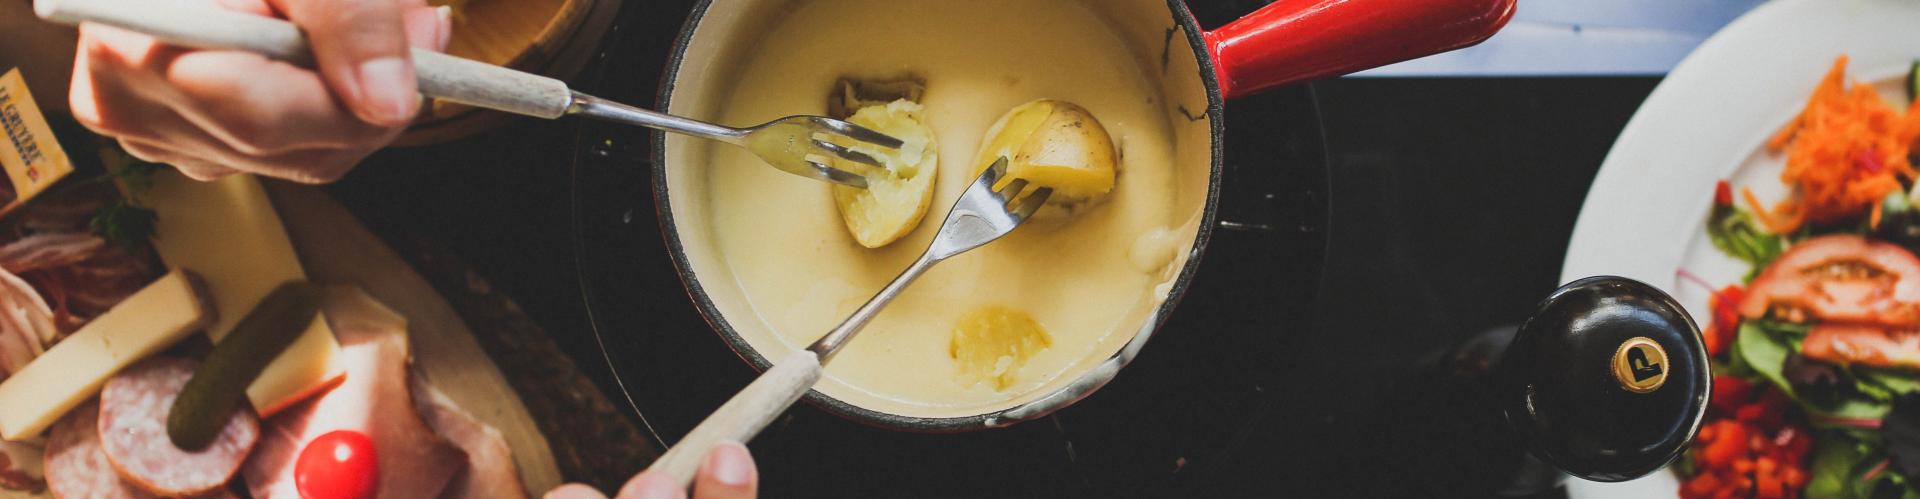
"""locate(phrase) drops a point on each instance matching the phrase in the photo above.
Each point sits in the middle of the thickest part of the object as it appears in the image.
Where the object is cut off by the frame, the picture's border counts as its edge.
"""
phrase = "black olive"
(1813, 381)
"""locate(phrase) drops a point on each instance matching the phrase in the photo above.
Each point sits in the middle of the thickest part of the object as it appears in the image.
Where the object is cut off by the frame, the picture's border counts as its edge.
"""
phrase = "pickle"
(219, 386)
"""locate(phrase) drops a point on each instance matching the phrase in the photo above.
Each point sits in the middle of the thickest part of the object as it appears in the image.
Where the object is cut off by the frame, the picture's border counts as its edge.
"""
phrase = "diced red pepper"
(1701, 486)
(1749, 448)
(1768, 486)
(1729, 393)
(1730, 445)
(1795, 478)
(1755, 414)
(1722, 194)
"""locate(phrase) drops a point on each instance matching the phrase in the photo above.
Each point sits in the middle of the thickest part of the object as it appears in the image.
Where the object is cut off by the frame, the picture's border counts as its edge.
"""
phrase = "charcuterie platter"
(358, 355)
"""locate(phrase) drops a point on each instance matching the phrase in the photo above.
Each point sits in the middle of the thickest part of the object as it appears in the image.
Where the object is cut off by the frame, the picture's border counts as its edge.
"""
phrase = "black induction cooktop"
(1291, 365)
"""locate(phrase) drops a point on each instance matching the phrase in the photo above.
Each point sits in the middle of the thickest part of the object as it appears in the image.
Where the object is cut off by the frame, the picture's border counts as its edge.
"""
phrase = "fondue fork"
(800, 145)
(982, 215)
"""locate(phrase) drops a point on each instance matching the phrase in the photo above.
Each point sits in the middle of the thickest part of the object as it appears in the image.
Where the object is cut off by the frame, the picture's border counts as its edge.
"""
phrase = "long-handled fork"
(982, 215)
(800, 145)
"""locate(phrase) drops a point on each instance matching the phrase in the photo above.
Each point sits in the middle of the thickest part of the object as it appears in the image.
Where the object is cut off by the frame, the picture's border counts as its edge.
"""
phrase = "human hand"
(728, 473)
(212, 113)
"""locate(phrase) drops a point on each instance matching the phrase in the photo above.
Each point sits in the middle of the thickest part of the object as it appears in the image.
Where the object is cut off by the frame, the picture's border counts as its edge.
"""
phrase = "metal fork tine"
(848, 154)
(1012, 190)
(997, 170)
(1031, 204)
(858, 132)
(838, 176)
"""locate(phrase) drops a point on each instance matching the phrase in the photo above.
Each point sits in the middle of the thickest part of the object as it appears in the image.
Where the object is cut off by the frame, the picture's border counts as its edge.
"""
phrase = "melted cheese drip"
(1084, 277)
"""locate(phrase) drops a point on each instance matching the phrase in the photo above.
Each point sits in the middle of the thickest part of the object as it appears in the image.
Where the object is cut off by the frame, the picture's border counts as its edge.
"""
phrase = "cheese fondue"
(1090, 280)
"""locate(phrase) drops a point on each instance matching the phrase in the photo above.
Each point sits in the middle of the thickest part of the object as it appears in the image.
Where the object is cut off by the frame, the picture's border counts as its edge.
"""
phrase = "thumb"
(429, 28)
(360, 47)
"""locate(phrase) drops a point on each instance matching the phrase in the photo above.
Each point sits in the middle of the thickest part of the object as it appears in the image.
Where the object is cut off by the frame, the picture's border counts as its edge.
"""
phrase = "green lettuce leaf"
(1735, 233)
(1763, 346)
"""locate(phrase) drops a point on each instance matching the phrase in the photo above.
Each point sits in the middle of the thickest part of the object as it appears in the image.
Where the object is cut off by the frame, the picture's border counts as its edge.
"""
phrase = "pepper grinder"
(1607, 381)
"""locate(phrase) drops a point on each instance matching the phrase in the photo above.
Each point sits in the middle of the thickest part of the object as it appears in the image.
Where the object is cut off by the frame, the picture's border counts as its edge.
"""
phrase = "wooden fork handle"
(744, 415)
(441, 76)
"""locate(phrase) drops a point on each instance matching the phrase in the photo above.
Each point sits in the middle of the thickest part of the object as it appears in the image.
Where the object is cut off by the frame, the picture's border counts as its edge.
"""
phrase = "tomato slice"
(1860, 344)
(1840, 278)
(341, 464)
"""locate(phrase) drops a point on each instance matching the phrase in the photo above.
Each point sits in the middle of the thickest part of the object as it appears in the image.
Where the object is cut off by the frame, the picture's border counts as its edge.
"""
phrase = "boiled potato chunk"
(896, 197)
(1054, 144)
(991, 343)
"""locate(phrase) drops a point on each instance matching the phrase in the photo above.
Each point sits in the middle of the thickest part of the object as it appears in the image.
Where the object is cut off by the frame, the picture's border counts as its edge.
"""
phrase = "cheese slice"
(73, 370)
(226, 232)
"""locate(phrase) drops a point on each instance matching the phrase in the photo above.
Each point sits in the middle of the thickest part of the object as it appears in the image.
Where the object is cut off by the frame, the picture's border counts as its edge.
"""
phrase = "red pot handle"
(1290, 41)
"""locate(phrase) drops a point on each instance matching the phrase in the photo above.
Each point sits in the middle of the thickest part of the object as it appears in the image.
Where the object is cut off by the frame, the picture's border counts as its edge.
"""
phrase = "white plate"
(1644, 216)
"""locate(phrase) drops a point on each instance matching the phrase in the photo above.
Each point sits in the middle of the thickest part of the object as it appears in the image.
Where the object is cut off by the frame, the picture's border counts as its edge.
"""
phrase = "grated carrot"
(1770, 219)
(1873, 220)
(1846, 151)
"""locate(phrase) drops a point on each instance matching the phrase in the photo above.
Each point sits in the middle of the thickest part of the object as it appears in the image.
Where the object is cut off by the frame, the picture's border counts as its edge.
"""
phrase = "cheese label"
(31, 156)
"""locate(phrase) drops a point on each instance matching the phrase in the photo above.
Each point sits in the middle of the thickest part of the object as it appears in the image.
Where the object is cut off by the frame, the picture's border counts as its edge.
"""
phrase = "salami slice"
(75, 467)
(133, 432)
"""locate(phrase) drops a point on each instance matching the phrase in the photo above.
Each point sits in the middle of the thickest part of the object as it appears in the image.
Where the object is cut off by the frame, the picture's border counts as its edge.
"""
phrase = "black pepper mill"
(1607, 381)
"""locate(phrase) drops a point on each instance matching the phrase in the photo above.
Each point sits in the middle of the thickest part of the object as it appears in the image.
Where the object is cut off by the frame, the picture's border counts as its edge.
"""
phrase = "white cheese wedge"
(227, 232)
(73, 370)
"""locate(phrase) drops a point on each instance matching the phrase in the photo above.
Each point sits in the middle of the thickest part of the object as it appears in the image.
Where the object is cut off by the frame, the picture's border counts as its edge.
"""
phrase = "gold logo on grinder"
(1640, 365)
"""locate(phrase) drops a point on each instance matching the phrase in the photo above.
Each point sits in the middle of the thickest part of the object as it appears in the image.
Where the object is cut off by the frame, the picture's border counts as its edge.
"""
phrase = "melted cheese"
(1079, 278)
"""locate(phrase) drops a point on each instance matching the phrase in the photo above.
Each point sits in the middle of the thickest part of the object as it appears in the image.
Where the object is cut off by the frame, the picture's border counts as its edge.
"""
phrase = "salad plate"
(1711, 121)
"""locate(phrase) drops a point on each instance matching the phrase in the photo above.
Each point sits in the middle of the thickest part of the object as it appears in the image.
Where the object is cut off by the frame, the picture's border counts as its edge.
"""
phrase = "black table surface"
(1448, 203)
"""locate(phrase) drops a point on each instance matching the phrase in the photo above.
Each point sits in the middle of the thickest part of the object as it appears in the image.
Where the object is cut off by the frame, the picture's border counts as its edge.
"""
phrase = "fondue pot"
(1246, 387)
(1195, 72)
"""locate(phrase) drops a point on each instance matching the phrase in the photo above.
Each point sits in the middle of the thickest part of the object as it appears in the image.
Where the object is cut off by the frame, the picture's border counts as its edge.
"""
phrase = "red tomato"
(1840, 277)
(339, 465)
(1726, 319)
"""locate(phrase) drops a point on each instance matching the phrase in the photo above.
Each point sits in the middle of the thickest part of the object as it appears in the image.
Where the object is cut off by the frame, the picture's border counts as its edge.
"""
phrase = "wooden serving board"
(335, 249)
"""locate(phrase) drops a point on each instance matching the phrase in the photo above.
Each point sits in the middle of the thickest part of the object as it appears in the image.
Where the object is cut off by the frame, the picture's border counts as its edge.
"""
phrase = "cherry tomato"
(339, 465)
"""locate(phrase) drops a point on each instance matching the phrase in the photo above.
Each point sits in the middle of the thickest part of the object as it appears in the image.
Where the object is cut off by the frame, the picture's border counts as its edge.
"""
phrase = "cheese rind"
(286, 383)
(227, 232)
(73, 370)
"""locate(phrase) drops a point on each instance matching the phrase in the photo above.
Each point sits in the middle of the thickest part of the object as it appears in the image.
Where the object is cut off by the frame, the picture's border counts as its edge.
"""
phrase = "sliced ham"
(20, 468)
(43, 251)
(52, 245)
(1860, 344)
(83, 289)
(26, 323)
(490, 471)
(69, 211)
(374, 399)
